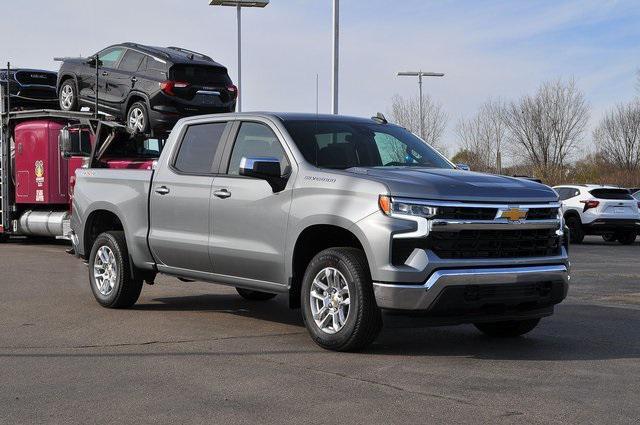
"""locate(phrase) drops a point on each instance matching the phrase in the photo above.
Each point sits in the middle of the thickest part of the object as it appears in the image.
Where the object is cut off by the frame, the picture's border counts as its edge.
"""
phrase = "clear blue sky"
(486, 48)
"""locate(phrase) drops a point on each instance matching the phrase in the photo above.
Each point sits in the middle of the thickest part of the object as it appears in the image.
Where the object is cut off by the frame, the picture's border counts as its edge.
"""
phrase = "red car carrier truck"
(40, 151)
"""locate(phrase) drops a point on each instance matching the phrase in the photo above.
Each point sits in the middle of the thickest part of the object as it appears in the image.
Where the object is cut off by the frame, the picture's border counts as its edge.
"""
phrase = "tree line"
(542, 135)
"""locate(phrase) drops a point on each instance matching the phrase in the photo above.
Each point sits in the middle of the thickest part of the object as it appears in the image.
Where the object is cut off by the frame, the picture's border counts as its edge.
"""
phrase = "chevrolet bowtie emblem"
(514, 214)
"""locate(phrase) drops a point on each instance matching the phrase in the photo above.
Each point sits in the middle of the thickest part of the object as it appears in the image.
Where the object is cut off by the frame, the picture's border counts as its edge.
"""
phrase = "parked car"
(30, 88)
(149, 88)
(635, 192)
(608, 211)
(346, 216)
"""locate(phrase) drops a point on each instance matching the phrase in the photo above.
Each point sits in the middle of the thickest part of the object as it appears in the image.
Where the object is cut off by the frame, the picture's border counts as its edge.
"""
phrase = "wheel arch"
(97, 222)
(309, 242)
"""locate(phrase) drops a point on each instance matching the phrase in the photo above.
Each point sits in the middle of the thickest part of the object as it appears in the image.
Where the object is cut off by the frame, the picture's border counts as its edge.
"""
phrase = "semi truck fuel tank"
(44, 223)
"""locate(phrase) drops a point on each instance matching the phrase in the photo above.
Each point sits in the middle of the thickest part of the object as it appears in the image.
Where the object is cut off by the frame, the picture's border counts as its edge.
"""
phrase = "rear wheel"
(575, 229)
(509, 329)
(110, 272)
(68, 96)
(338, 304)
(626, 238)
(248, 294)
(138, 117)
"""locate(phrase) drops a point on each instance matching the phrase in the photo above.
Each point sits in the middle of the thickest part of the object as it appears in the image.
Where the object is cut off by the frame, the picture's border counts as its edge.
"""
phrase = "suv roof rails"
(148, 49)
(189, 52)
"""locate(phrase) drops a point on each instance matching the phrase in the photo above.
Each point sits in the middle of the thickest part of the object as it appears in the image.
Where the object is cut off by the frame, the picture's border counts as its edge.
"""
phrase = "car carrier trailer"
(39, 153)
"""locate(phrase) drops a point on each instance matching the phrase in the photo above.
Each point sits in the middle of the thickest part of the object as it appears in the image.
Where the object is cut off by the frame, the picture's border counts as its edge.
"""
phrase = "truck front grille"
(466, 213)
(515, 243)
(476, 244)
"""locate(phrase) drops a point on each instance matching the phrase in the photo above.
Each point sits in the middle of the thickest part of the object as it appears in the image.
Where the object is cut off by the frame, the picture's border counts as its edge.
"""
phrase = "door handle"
(162, 190)
(105, 73)
(134, 79)
(222, 193)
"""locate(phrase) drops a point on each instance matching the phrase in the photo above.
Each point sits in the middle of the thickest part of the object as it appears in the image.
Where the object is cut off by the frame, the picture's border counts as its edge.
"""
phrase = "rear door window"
(131, 61)
(198, 148)
(619, 194)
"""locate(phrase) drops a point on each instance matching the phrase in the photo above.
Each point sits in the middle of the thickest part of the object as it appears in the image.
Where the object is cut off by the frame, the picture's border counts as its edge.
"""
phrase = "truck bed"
(125, 193)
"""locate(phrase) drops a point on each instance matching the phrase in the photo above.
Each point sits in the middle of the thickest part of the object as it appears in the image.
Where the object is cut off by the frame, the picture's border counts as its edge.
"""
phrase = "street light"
(420, 74)
(239, 4)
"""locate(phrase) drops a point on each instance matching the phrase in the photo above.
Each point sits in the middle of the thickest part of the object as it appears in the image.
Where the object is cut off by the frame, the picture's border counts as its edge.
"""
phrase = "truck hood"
(457, 185)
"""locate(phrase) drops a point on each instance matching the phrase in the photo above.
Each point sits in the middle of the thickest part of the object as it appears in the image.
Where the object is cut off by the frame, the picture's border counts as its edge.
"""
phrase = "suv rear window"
(131, 61)
(198, 148)
(611, 194)
(200, 75)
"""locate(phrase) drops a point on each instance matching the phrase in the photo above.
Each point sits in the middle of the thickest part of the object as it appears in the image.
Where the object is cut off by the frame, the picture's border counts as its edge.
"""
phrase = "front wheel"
(609, 237)
(110, 272)
(509, 329)
(68, 97)
(626, 238)
(338, 304)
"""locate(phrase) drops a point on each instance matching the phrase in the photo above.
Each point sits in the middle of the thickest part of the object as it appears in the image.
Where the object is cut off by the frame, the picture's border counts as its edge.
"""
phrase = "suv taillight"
(591, 203)
(168, 86)
(233, 91)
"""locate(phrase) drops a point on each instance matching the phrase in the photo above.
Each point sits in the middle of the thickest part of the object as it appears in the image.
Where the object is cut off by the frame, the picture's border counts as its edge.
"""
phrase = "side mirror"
(92, 62)
(464, 167)
(262, 168)
(66, 146)
(266, 169)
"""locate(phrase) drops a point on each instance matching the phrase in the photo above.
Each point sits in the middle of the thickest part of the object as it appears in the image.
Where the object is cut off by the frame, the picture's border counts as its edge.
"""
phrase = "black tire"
(67, 87)
(363, 321)
(248, 294)
(609, 237)
(575, 229)
(125, 290)
(510, 329)
(626, 238)
(141, 113)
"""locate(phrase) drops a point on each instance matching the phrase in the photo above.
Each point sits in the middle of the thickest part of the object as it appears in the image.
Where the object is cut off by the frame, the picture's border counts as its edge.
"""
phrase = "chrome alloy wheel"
(66, 97)
(105, 270)
(136, 119)
(330, 300)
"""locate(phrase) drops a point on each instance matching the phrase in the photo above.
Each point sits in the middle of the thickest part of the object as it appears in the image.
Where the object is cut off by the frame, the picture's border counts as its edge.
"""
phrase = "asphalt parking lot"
(198, 353)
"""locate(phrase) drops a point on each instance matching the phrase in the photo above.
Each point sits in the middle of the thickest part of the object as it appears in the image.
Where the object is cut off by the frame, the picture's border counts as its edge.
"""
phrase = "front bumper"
(481, 290)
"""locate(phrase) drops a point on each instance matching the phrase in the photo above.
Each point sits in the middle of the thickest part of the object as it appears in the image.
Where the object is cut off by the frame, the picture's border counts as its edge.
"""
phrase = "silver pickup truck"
(346, 216)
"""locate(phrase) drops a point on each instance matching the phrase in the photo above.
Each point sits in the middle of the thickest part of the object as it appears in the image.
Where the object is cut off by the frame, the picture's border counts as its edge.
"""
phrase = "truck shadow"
(575, 332)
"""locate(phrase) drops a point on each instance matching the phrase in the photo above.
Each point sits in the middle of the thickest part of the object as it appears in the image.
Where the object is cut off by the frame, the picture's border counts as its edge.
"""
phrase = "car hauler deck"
(40, 151)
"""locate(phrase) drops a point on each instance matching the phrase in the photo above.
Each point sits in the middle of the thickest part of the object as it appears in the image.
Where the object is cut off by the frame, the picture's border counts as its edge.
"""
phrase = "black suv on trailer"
(30, 88)
(150, 88)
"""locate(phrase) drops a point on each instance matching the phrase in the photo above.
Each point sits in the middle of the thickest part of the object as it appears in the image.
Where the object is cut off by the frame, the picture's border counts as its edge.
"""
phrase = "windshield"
(344, 144)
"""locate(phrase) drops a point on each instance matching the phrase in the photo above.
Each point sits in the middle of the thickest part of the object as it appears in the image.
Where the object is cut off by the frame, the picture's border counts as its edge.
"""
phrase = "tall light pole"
(239, 4)
(420, 74)
(336, 56)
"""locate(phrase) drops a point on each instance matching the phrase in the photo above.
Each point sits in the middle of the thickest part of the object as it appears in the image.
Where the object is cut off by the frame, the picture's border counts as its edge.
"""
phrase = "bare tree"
(545, 128)
(406, 112)
(618, 136)
(483, 136)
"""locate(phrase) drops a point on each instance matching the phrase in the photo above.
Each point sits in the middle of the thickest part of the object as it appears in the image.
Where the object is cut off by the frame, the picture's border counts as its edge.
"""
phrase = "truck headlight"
(390, 207)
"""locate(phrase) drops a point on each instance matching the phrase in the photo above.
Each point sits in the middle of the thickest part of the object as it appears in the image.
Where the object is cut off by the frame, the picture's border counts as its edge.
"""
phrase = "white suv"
(600, 210)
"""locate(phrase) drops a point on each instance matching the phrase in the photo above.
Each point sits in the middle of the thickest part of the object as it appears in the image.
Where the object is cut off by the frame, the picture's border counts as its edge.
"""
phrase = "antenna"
(317, 107)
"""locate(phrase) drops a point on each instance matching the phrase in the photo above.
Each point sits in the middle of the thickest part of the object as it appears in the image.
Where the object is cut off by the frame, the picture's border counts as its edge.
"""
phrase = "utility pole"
(239, 4)
(420, 74)
(336, 56)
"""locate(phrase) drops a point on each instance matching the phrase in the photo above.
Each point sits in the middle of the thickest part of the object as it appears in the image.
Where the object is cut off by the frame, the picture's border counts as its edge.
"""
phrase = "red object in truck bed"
(131, 164)
(40, 171)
